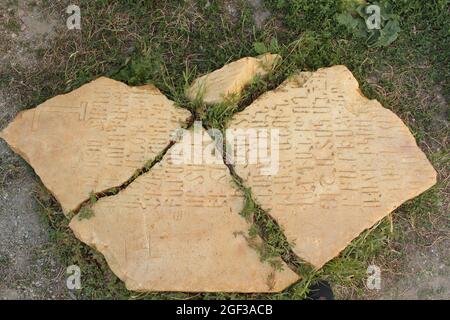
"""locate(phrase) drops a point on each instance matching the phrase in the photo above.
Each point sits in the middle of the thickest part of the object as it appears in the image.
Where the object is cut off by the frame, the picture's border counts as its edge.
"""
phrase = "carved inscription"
(177, 228)
(95, 137)
(345, 161)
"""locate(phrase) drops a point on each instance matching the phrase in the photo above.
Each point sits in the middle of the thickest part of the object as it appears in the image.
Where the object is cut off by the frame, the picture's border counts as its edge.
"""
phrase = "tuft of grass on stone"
(92, 198)
(85, 213)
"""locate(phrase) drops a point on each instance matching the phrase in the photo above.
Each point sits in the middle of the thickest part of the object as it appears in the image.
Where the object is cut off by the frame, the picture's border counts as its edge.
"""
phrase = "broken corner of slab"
(94, 137)
(178, 228)
(229, 81)
(345, 162)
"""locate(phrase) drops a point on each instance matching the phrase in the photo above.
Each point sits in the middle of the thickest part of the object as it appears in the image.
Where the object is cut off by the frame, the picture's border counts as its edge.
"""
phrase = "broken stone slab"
(178, 228)
(231, 79)
(94, 137)
(345, 161)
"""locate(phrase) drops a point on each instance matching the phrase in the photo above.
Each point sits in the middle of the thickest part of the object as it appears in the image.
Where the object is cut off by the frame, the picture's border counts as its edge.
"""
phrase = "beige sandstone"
(178, 228)
(95, 137)
(345, 161)
(231, 79)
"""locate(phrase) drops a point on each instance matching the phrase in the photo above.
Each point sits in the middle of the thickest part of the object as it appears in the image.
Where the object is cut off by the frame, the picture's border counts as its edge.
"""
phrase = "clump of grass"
(218, 115)
(93, 198)
(141, 68)
(85, 213)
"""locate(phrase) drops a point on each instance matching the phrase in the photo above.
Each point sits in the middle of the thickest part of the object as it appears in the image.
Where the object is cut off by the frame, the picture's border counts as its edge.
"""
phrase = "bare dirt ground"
(426, 275)
(29, 270)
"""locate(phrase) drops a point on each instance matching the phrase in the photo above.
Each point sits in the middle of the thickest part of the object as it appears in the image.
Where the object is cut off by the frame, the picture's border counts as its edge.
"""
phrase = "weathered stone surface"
(93, 138)
(178, 228)
(231, 79)
(345, 161)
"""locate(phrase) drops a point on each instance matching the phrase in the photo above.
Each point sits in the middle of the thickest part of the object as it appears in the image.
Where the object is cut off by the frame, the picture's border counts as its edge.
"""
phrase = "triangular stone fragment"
(95, 137)
(345, 162)
(231, 79)
(178, 228)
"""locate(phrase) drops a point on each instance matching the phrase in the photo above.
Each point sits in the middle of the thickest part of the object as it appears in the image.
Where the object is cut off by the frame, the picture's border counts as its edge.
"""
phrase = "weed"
(85, 213)
(92, 198)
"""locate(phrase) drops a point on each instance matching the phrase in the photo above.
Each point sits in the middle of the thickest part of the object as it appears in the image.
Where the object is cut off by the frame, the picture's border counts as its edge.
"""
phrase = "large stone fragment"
(93, 138)
(178, 228)
(231, 79)
(345, 161)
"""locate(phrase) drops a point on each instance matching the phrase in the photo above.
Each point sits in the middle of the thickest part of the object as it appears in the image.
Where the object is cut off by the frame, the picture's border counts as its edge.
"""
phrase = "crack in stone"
(260, 218)
(112, 191)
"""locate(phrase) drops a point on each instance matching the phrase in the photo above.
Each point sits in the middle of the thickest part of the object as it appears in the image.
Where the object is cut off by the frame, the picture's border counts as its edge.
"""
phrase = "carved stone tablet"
(93, 138)
(178, 228)
(345, 162)
(231, 79)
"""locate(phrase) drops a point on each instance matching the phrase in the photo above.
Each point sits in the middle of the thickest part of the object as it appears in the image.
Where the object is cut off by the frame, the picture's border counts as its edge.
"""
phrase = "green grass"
(85, 213)
(170, 43)
(274, 244)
